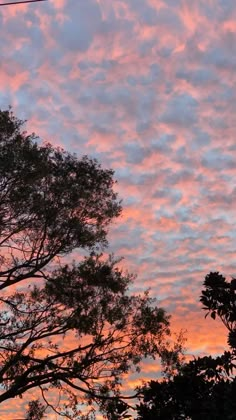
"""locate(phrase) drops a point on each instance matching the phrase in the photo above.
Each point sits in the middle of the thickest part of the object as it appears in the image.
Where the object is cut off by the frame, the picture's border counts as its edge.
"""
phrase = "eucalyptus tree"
(67, 328)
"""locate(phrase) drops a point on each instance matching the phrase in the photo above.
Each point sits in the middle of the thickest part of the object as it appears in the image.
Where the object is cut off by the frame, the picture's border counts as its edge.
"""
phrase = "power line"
(20, 2)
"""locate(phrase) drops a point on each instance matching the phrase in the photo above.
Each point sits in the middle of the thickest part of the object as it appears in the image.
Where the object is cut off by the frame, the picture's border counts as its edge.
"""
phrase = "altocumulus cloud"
(148, 88)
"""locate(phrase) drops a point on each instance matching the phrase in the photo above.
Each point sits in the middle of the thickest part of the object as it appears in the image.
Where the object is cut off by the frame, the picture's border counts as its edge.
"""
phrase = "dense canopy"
(204, 388)
(67, 326)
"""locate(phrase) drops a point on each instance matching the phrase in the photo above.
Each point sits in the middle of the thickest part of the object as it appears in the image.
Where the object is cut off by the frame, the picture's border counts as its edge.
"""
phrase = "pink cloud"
(149, 90)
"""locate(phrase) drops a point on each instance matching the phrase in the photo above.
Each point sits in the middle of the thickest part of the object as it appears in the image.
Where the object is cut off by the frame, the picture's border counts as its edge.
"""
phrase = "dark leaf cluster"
(219, 299)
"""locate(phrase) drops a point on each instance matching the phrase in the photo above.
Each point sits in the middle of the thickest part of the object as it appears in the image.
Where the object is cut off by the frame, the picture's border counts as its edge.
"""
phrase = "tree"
(70, 327)
(204, 388)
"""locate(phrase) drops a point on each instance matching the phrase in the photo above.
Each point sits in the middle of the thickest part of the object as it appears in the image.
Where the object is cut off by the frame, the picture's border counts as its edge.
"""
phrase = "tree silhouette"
(204, 388)
(67, 327)
(219, 299)
(36, 410)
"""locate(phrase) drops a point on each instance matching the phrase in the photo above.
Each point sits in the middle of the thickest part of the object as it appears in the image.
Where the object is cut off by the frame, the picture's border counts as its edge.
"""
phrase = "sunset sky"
(148, 87)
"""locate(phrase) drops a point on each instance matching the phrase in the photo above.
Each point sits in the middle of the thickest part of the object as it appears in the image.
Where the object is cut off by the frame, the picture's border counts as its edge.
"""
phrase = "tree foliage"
(36, 410)
(219, 300)
(204, 388)
(68, 327)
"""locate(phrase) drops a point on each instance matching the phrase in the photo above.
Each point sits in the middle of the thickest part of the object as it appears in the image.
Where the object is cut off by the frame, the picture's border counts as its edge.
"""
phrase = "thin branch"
(99, 397)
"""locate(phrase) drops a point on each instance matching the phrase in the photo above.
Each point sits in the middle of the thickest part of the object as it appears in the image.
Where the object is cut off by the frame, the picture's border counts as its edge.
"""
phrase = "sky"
(148, 87)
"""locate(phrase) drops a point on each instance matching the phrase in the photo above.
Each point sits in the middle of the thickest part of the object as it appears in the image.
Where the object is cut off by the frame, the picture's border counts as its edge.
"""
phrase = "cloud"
(181, 110)
(217, 160)
(148, 88)
(198, 77)
(81, 23)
